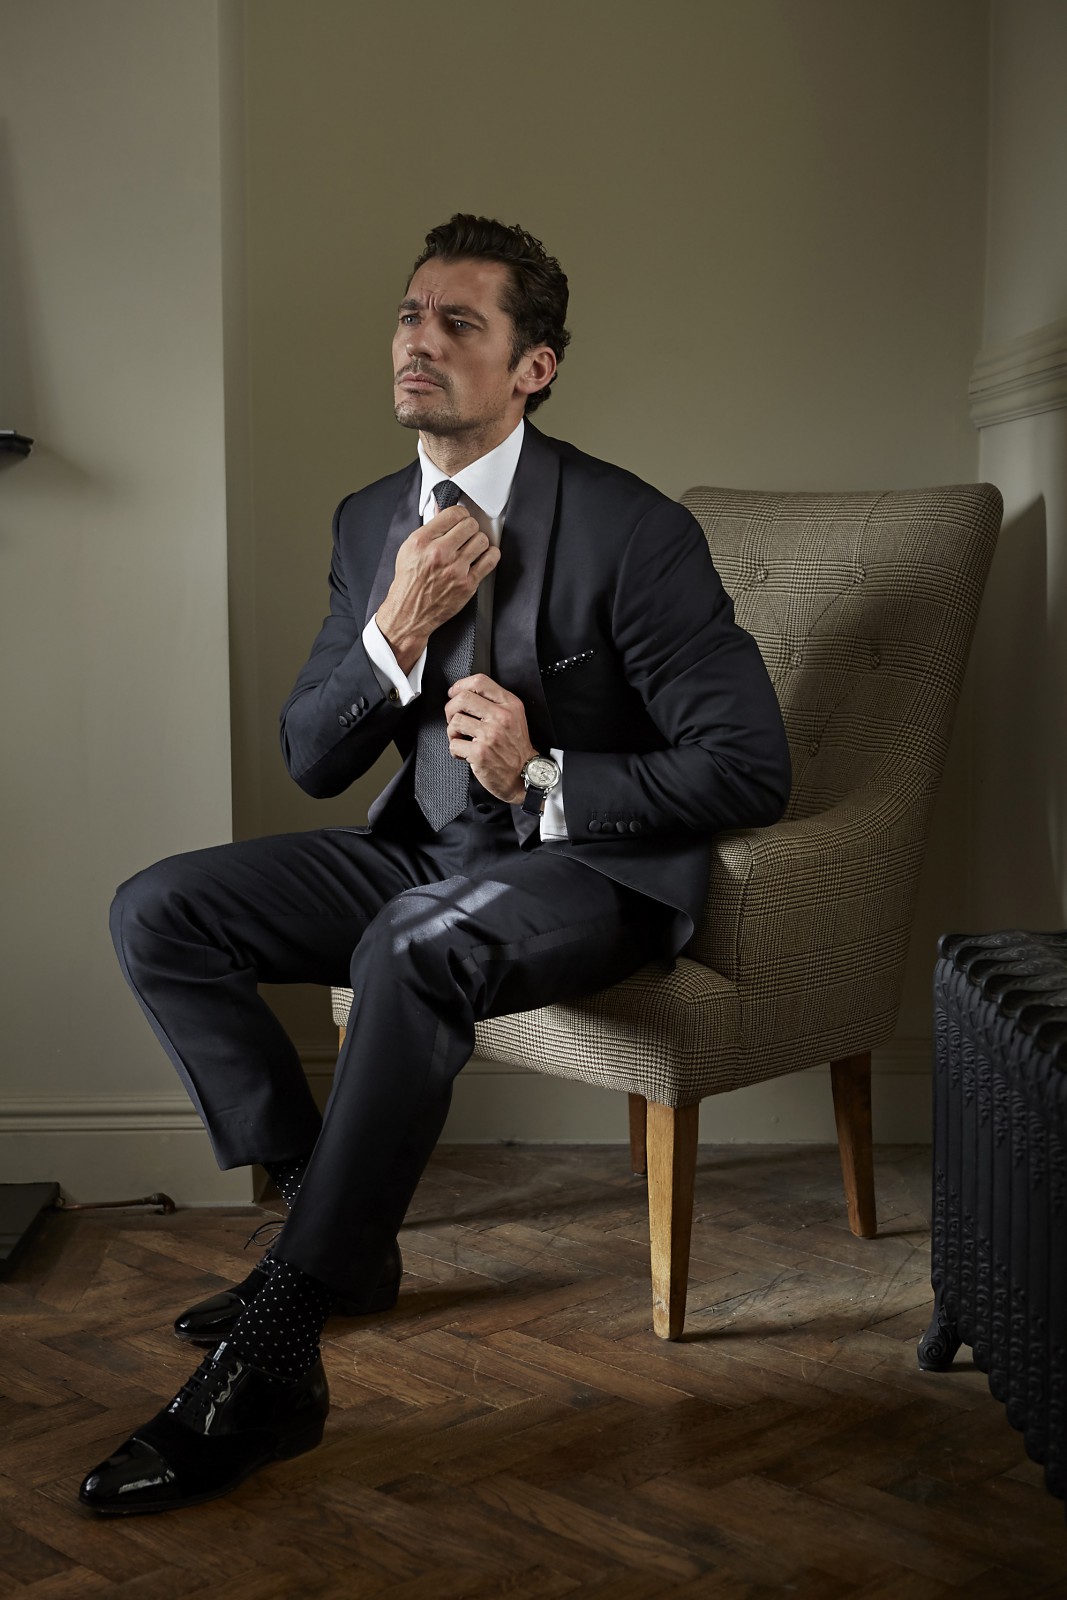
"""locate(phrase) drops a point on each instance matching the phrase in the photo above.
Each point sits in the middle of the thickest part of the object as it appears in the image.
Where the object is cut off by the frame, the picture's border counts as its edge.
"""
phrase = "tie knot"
(446, 493)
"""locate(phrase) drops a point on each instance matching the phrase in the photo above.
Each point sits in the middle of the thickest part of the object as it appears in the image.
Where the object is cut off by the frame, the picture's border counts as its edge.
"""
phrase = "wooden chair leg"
(672, 1161)
(638, 1124)
(851, 1081)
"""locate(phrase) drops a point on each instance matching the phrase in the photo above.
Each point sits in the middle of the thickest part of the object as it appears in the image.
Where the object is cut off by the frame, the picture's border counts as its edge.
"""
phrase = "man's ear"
(536, 368)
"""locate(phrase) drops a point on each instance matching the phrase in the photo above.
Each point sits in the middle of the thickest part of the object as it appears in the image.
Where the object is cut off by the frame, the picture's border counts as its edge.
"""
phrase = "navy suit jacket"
(611, 625)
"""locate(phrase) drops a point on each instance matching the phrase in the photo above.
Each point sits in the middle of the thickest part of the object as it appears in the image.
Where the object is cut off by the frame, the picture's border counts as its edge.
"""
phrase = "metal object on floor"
(23, 1206)
(999, 1236)
(163, 1201)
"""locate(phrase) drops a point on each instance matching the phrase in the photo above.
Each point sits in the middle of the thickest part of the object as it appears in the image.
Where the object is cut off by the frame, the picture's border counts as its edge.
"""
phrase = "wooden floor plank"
(513, 1428)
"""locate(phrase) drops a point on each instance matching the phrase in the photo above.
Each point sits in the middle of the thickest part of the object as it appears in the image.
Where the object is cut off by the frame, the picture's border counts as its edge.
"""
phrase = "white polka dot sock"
(287, 1176)
(279, 1332)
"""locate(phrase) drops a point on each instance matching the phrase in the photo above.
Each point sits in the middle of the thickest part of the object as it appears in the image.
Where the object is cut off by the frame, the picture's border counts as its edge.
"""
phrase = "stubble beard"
(440, 418)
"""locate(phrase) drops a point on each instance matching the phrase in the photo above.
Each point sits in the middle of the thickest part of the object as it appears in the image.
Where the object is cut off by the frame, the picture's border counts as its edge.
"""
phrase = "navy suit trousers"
(432, 933)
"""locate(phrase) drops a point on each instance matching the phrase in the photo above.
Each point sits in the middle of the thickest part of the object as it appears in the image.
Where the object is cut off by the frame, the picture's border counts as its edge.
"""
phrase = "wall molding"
(172, 1113)
(109, 1146)
(1020, 378)
(104, 1113)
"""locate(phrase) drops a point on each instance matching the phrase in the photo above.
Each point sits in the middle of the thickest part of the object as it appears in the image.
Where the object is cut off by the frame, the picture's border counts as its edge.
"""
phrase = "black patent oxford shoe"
(228, 1420)
(211, 1320)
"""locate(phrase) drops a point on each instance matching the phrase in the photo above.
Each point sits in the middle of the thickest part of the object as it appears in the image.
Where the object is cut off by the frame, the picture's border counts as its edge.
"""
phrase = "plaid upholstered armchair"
(863, 606)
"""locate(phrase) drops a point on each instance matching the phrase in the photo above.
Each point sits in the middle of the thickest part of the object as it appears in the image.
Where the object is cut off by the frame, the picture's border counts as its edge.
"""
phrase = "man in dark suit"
(546, 641)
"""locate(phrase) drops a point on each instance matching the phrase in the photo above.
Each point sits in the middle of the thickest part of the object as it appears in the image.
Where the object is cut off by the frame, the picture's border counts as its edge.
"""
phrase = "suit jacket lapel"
(405, 519)
(529, 523)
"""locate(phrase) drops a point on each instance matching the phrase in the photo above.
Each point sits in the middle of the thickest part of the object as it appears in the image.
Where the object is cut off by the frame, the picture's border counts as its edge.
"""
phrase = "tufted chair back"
(863, 606)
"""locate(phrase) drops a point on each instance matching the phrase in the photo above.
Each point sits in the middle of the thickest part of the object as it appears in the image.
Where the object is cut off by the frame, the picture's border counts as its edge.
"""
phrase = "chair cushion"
(671, 1036)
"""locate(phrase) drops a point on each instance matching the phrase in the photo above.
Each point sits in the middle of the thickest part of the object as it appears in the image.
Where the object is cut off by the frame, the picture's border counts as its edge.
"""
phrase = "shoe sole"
(297, 1445)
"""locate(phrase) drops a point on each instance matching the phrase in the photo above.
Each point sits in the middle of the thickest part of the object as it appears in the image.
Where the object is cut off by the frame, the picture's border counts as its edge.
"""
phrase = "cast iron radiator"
(999, 1246)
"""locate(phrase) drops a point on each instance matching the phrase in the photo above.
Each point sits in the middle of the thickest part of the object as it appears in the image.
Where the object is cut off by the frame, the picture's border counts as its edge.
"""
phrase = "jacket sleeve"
(725, 763)
(338, 719)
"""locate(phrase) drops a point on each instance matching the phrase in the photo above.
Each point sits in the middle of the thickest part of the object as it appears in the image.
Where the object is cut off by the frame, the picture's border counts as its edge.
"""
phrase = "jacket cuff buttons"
(354, 712)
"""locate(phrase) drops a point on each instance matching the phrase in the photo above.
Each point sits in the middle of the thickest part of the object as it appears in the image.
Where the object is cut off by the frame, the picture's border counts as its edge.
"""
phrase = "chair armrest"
(802, 915)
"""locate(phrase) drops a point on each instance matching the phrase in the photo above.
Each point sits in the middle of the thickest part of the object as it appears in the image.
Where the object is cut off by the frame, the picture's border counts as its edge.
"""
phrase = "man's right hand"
(438, 568)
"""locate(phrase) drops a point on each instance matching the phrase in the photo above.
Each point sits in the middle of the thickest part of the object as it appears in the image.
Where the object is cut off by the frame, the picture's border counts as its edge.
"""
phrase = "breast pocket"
(556, 669)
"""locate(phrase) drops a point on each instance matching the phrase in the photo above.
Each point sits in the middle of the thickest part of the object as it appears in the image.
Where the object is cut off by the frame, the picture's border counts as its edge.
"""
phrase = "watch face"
(542, 772)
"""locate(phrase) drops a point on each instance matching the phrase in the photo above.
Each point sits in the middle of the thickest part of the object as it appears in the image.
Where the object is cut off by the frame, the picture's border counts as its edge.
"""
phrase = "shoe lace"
(199, 1391)
(268, 1231)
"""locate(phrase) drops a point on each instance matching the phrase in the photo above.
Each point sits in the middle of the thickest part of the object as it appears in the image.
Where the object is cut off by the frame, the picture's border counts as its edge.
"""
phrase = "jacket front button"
(594, 826)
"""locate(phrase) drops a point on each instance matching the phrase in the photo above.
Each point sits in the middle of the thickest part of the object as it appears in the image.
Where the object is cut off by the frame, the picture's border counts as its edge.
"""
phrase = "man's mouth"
(412, 379)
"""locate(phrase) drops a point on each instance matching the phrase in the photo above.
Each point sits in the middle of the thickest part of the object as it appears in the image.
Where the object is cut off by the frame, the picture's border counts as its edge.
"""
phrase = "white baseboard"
(112, 1147)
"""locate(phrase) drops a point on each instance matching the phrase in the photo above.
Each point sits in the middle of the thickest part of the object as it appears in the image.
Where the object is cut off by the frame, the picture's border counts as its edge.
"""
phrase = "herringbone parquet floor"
(514, 1429)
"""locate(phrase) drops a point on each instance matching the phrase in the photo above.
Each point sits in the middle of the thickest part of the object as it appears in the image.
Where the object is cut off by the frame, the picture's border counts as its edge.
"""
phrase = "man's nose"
(422, 340)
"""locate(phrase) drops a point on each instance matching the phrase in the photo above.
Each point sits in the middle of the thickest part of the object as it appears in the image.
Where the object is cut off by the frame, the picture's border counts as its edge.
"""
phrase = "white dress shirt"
(486, 488)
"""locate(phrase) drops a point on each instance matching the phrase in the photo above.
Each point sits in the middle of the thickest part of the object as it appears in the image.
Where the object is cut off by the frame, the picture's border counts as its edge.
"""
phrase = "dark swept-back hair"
(536, 299)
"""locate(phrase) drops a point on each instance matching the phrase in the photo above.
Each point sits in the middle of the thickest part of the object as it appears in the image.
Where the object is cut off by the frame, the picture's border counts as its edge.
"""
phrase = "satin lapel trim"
(529, 523)
(405, 520)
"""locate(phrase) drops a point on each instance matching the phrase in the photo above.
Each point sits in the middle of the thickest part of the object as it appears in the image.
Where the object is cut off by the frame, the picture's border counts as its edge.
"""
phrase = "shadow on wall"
(1020, 727)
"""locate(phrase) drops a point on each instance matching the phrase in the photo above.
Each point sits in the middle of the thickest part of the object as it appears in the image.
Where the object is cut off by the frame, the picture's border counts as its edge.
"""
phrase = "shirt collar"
(486, 481)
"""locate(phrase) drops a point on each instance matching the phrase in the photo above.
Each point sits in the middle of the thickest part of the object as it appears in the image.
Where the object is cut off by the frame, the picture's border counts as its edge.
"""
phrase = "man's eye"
(457, 322)
(406, 317)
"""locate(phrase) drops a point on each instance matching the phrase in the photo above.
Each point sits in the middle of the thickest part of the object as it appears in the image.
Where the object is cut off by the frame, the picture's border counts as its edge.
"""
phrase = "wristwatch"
(540, 775)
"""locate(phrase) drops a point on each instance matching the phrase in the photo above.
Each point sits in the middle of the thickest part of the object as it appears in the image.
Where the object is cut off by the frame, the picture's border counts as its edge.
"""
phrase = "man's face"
(452, 351)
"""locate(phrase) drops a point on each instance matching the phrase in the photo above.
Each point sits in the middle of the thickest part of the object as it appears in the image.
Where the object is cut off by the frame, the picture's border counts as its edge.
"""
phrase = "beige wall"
(772, 215)
(114, 670)
(1019, 689)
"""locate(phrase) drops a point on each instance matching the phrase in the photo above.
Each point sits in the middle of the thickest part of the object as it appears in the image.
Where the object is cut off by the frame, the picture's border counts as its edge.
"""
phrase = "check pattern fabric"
(863, 606)
(442, 784)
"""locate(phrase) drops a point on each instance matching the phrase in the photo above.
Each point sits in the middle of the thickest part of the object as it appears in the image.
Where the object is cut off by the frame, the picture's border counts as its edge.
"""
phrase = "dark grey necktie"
(442, 783)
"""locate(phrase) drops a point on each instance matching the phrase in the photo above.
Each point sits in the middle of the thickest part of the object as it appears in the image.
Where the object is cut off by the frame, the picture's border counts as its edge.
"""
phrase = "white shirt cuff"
(386, 669)
(553, 817)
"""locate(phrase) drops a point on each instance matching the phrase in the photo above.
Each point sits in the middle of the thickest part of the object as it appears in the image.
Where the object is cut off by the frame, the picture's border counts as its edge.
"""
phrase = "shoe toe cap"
(135, 1477)
(210, 1319)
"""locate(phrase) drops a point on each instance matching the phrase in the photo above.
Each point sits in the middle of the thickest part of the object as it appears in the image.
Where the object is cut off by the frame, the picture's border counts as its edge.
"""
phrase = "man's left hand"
(487, 728)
